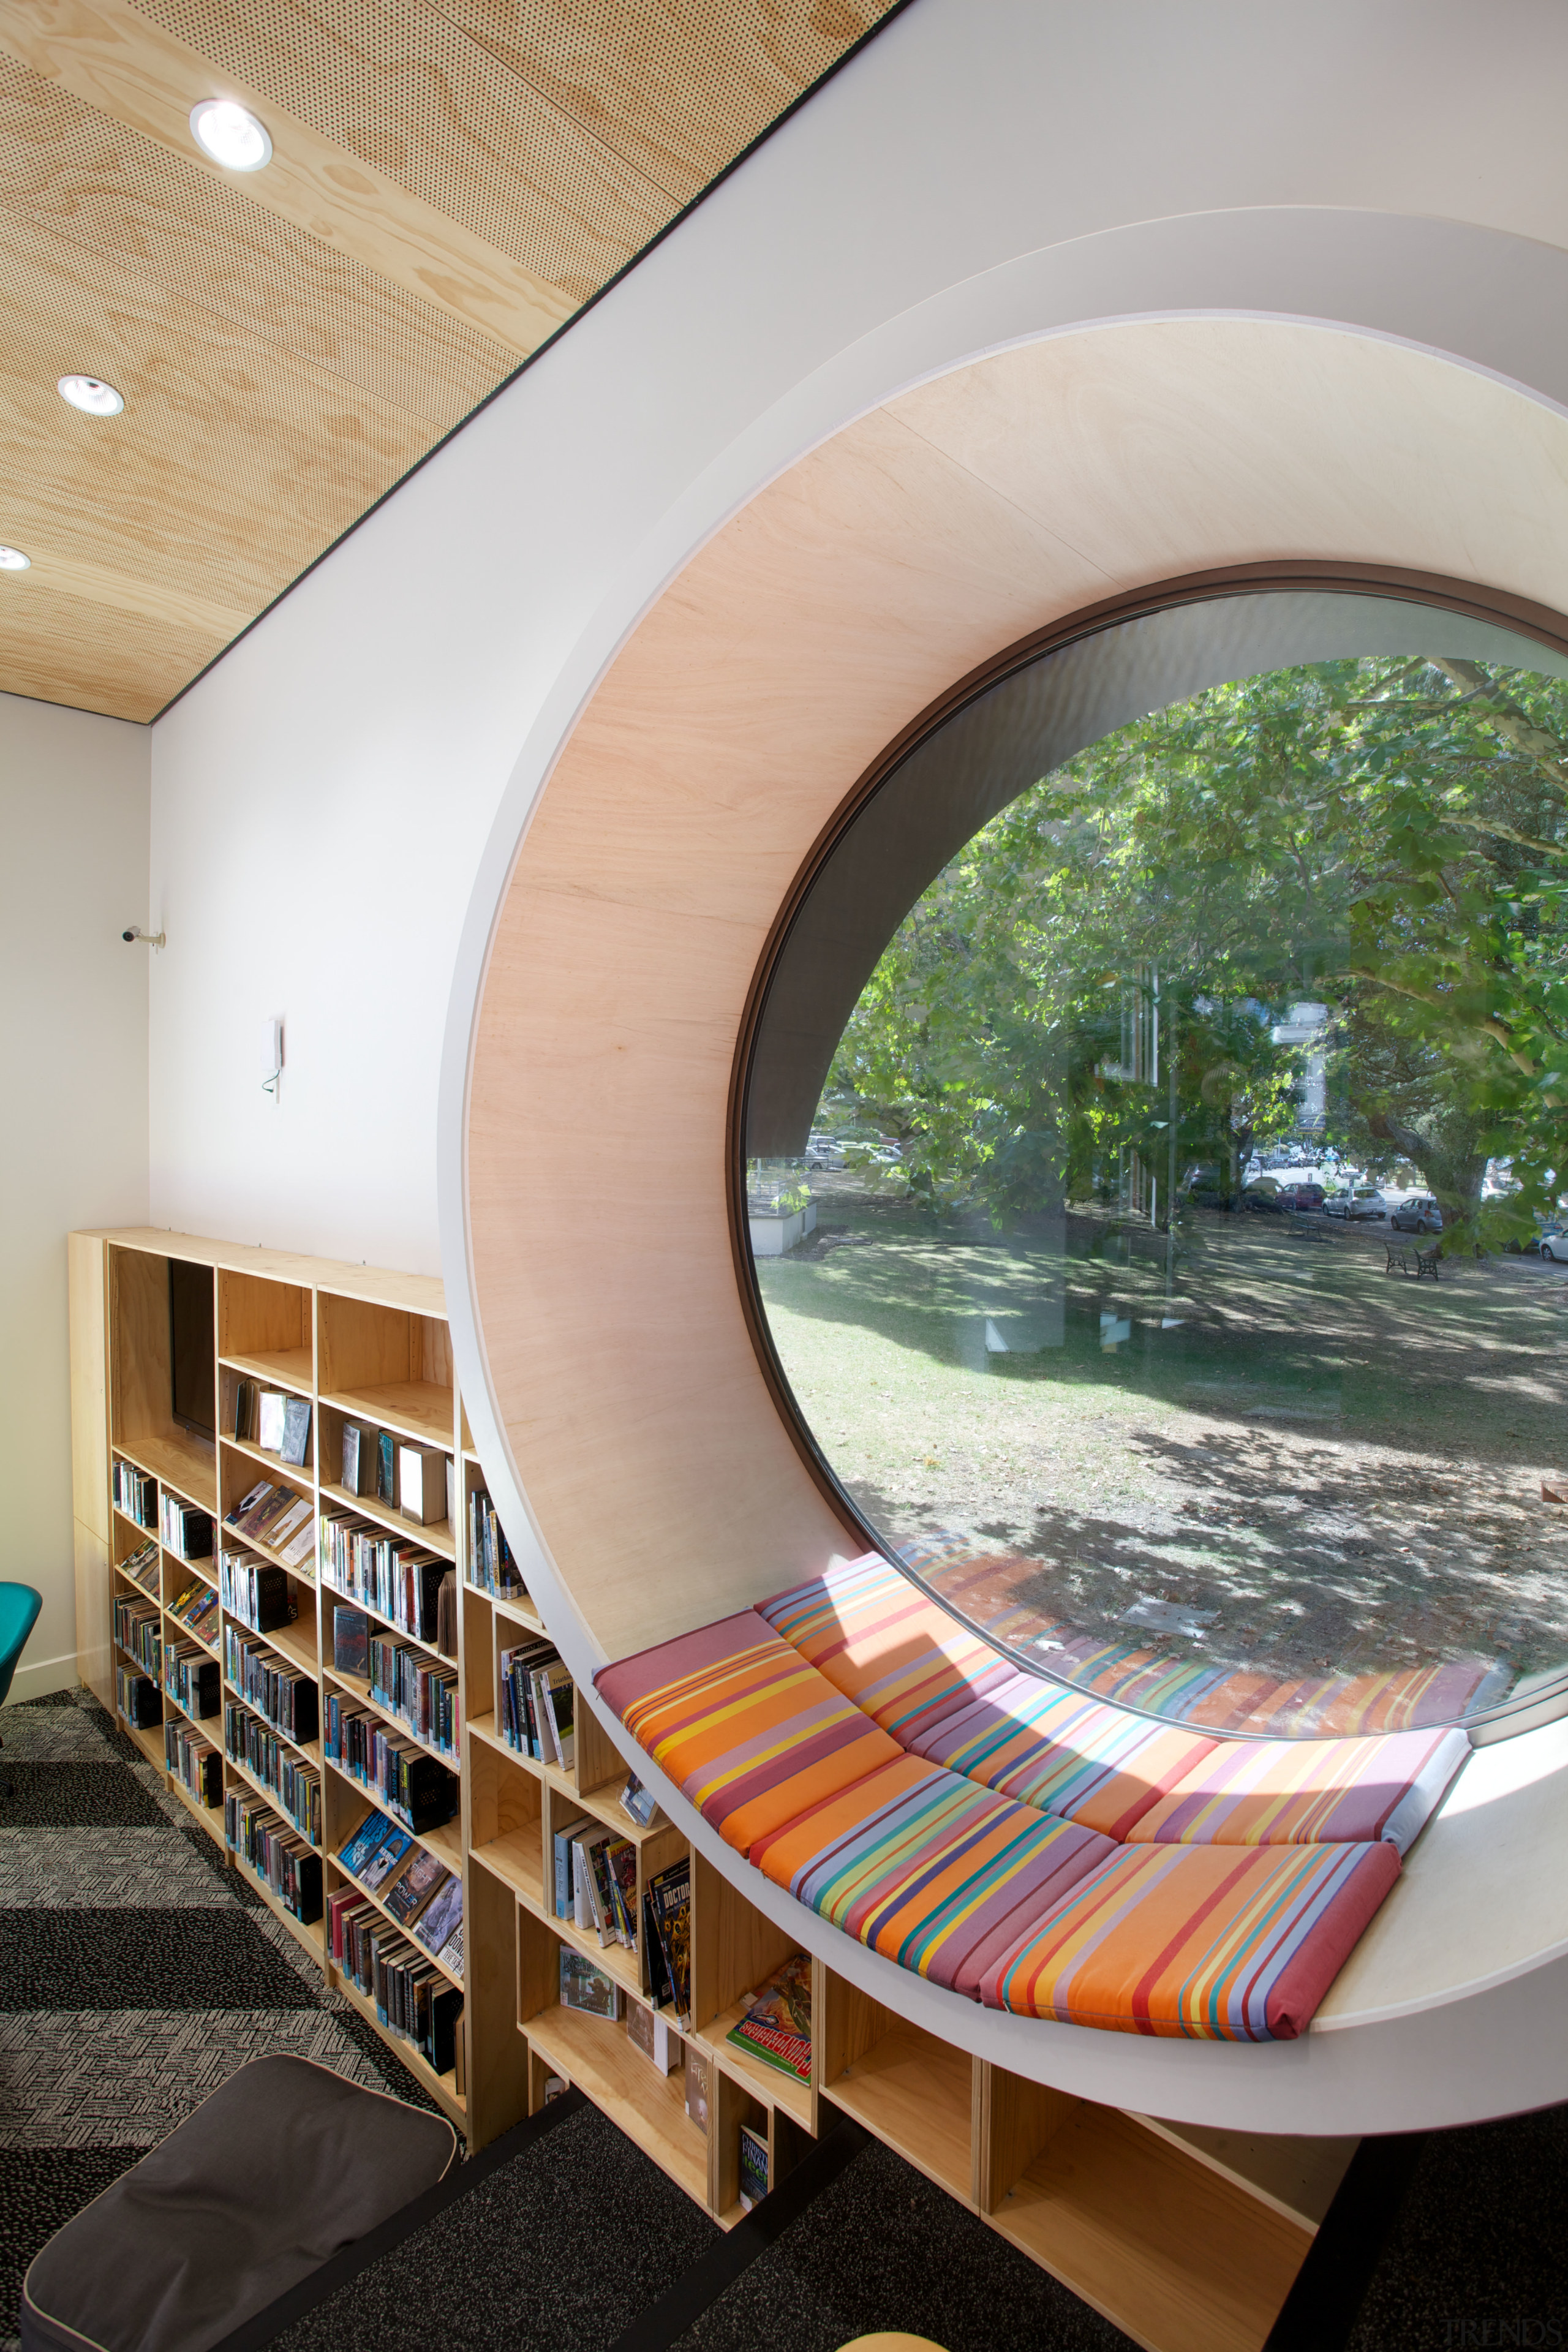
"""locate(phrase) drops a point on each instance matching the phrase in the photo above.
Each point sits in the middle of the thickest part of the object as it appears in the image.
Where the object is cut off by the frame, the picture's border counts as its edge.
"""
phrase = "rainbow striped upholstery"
(873, 1632)
(748, 1731)
(1306, 1791)
(929, 1870)
(1202, 1942)
(1067, 1754)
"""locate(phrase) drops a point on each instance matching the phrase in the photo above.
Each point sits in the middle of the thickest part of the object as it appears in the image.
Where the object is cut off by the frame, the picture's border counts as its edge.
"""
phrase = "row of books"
(417, 1481)
(279, 1517)
(190, 1678)
(538, 1704)
(396, 1576)
(421, 1692)
(135, 1494)
(186, 1529)
(195, 1763)
(413, 1998)
(141, 1567)
(137, 1630)
(196, 1609)
(491, 1567)
(138, 1698)
(422, 1895)
(272, 1421)
(276, 1852)
(405, 1776)
(596, 1881)
(257, 1590)
(274, 1685)
(296, 1783)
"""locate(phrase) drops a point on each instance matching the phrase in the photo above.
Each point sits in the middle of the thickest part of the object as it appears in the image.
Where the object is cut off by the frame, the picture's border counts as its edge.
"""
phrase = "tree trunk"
(1454, 1173)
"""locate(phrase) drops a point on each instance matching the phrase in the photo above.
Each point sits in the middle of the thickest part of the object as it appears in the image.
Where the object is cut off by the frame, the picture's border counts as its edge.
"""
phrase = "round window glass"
(1156, 1165)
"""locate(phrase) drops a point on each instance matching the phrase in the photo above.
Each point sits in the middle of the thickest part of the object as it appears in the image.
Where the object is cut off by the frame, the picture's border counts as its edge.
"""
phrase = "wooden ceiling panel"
(451, 181)
(192, 234)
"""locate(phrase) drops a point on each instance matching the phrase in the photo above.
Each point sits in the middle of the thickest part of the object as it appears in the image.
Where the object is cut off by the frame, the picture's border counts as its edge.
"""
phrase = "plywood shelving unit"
(1186, 2240)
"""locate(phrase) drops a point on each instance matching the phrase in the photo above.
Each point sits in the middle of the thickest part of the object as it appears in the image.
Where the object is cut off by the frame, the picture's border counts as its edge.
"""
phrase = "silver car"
(1418, 1214)
(1358, 1207)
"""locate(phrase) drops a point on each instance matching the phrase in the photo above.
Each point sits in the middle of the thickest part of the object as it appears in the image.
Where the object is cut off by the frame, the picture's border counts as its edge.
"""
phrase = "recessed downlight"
(13, 560)
(90, 394)
(229, 135)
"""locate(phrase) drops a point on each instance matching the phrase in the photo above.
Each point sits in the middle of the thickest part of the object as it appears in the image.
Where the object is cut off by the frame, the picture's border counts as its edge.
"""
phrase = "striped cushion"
(750, 1732)
(879, 1639)
(929, 1870)
(1063, 1753)
(1306, 1792)
(1204, 1942)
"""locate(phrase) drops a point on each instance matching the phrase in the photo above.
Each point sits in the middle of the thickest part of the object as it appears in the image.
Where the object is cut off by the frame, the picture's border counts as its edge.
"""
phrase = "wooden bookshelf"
(1186, 2240)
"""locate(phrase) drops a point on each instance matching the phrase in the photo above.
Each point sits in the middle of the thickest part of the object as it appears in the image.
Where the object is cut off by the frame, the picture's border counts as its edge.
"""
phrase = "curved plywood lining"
(845, 598)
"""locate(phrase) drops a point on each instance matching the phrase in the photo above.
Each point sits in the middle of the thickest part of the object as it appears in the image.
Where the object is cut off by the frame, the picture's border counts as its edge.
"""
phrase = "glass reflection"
(1175, 1276)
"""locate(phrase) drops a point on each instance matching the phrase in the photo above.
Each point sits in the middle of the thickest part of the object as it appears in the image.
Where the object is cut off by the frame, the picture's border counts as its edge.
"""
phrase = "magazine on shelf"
(669, 1897)
(754, 2167)
(777, 2026)
(388, 1854)
(442, 1918)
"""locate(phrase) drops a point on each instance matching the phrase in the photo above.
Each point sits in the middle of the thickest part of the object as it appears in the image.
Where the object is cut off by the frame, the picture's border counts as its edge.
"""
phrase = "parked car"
(1357, 1207)
(1418, 1214)
(1553, 1243)
(821, 1152)
(1301, 1196)
(1264, 1196)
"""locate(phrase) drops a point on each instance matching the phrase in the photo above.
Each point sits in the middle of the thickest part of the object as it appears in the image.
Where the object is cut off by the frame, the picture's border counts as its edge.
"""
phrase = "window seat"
(1014, 1841)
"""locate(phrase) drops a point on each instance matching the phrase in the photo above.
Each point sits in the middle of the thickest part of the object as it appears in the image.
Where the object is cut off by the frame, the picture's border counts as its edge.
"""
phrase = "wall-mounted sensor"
(147, 938)
(272, 1057)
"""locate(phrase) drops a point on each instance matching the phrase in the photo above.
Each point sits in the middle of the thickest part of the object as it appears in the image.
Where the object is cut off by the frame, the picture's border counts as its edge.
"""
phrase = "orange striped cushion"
(1307, 1791)
(1211, 1943)
(886, 1645)
(746, 1729)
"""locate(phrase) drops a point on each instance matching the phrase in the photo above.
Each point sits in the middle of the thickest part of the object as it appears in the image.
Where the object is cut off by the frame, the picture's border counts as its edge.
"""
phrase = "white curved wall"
(985, 170)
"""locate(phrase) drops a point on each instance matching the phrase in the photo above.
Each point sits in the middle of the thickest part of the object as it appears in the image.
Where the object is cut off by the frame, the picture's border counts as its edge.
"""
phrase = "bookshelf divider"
(1126, 2210)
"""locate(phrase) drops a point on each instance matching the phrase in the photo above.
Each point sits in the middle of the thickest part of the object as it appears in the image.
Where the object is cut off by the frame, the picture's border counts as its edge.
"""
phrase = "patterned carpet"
(165, 1973)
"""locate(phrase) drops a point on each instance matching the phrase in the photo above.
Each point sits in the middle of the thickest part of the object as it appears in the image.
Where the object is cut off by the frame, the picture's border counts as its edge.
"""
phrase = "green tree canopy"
(1096, 979)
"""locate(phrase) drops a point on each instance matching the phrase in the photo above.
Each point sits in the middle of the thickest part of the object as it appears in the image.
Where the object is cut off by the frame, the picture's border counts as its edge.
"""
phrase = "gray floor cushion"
(280, 2169)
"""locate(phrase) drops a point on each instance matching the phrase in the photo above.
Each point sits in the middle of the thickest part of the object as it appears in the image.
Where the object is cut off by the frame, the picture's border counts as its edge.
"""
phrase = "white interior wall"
(74, 815)
(321, 802)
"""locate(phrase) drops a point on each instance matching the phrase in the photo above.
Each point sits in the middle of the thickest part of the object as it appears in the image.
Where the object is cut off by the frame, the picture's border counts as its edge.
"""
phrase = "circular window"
(1155, 1155)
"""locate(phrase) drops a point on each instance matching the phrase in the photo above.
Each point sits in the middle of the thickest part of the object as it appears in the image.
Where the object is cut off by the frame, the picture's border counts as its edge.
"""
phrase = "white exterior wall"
(984, 169)
(74, 794)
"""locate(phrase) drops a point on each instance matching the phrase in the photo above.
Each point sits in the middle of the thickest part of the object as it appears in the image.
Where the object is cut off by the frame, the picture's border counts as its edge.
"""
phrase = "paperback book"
(424, 1877)
(587, 1987)
(754, 2167)
(777, 2027)
(439, 1925)
(669, 1899)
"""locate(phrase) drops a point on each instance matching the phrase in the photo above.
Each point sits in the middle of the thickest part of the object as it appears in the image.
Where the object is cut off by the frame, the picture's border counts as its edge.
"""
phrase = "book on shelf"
(520, 1724)
(243, 1425)
(279, 1517)
(137, 1630)
(386, 1469)
(776, 2028)
(592, 1902)
(669, 1902)
(554, 1701)
(257, 1590)
(697, 2088)
(640, 1804)
(358, 1459)
(555, 2088)
(412, 1998)
(191, 1679)
(386, 1857)
(392, 1574)
(138, 1698)
(422, 1692)
(361, 1843)
(196, 1609)
(185, 1528)
(276, 1852)
(446, 1614)
(649, 2031)
(135, 1494)
(141, 1567)
(273, 1685)
(296, 1443)
(194, 1762)
(562, 1842)
(491, 1567)
(422, 1484)
(351, 1641)
(621, 1858)
(269, 1409)
(439, 1926)
(294, 1782)
(586, 1988)
(752, 2169)
(423, 1878)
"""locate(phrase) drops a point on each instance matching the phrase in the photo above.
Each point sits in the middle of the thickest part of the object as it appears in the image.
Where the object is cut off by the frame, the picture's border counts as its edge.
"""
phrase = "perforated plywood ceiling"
(449, 185)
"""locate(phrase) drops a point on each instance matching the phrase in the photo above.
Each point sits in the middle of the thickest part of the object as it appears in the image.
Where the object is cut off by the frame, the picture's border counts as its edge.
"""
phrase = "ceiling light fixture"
(90, 394)
(13, 560)
(229, 135)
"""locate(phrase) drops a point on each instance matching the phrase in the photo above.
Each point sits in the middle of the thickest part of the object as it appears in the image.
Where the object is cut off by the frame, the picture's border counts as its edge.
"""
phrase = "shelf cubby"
(915, 2093)
(389, 1366)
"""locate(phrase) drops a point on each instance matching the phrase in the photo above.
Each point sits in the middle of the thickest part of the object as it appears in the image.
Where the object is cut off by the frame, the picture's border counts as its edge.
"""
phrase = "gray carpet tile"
(75, 1794)
(56, 1730)
(127, 2076)
(558, 2250)
(93, 1869)
(883, 2249)
(127, 1958)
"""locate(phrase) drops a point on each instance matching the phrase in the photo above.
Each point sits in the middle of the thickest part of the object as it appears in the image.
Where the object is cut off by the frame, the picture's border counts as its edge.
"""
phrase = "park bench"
(1396, 1261)
(1427, 1261)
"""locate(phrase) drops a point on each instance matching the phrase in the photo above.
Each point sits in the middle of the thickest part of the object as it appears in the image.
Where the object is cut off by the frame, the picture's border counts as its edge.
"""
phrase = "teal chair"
(19, 1607)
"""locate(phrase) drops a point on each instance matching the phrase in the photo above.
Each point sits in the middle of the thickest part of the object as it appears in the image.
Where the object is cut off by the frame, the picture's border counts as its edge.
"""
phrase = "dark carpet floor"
(167, 1974)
